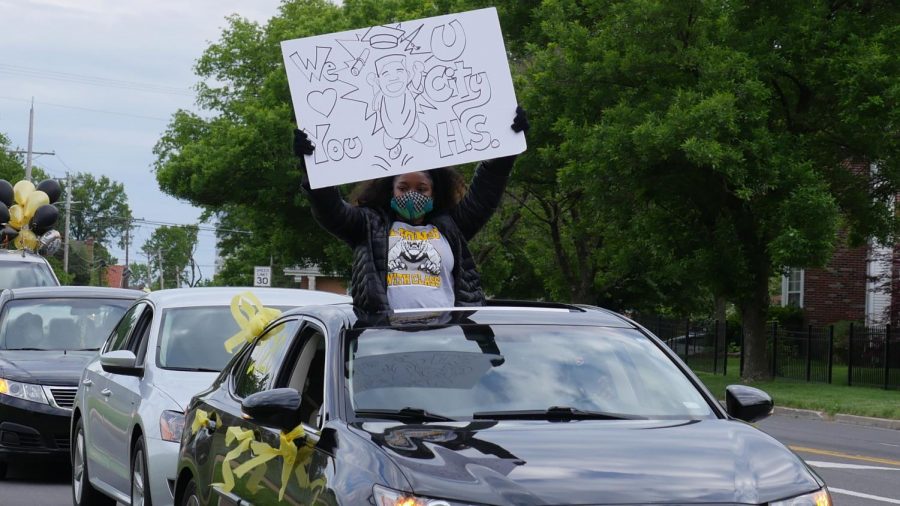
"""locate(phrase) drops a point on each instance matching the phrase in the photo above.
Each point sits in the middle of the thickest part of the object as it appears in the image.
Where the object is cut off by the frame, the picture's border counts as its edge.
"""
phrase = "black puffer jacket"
(366, 230)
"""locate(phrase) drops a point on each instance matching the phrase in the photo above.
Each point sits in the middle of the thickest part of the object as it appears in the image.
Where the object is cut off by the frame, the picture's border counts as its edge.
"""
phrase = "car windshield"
(25, 274)
(474, 370)
(193, 338)
(59, 324)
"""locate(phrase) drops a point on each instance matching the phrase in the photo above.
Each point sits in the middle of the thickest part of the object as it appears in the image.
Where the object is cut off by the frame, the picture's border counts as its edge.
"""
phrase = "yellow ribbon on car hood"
(251, 316)
(244, 438)
(201, 419)
(287, 450)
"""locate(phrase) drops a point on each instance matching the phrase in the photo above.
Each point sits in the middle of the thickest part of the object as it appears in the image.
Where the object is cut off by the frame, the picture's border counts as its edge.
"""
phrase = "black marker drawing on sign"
(322, 102)
(396, 103)
(416, 84)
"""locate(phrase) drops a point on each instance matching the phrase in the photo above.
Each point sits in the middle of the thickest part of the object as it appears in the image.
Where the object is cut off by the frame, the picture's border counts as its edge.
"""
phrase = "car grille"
(63, 397)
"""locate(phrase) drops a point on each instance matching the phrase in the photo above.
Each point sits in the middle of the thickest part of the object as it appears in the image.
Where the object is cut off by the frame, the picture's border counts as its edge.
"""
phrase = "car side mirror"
(279, 408)
(747, 403)
(120, 362)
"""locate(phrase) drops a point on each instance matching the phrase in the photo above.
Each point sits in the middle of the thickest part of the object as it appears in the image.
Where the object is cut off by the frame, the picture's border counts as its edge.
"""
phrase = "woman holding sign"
(410, 232)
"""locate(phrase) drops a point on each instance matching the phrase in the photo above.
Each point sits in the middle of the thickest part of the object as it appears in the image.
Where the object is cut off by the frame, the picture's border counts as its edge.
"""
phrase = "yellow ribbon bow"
(286, 449)
(251, 316)
(201, 419)
(244, 438)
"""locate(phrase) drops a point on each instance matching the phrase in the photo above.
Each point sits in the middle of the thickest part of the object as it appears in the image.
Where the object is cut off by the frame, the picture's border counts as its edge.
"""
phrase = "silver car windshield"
(25, 274)
(193, 338)
(59, 324)
(458, 371)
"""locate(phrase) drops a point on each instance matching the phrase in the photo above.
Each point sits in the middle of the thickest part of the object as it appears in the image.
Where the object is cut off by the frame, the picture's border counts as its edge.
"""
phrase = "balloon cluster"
(28, 215)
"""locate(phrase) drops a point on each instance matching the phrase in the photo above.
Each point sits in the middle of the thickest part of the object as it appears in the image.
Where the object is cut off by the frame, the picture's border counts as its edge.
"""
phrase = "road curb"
(866, 421)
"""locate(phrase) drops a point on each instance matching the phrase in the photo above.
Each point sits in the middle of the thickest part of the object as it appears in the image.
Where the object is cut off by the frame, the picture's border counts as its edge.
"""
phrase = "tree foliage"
(680, 149)
(170, 252)
(100, 209)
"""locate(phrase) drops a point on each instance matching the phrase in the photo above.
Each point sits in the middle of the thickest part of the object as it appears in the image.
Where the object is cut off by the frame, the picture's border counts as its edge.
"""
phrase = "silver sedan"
(129, 410)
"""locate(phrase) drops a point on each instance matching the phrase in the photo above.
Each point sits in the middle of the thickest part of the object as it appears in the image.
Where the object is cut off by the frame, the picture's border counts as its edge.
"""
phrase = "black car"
(47, 335)
(508, 405)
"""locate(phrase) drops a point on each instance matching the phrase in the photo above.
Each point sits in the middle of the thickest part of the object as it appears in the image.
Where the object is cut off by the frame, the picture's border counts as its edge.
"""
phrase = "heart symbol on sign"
(322, 101)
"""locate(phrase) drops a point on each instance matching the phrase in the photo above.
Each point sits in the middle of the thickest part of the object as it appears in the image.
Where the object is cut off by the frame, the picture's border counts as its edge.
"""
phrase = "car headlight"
(171, 424)
(817, 498)
(387, 497)
(26, 391)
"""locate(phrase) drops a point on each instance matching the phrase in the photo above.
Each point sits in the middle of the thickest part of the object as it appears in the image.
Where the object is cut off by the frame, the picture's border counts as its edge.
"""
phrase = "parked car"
(129, 409)
(47, 335)
(549, 404)
(19, 269)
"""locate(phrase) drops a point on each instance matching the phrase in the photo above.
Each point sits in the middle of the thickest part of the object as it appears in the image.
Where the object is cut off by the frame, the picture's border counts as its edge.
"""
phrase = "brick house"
(313, 278)
(858, 284)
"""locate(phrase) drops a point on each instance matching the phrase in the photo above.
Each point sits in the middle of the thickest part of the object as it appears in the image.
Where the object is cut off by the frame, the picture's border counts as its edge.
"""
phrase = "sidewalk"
(808, 414)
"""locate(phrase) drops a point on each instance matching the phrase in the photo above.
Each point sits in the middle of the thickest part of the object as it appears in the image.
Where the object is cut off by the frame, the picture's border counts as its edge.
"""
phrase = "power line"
(79, 108)
(104, 82)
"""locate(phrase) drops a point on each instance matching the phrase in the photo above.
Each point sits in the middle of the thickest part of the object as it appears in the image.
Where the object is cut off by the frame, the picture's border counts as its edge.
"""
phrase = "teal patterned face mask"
(412, 205)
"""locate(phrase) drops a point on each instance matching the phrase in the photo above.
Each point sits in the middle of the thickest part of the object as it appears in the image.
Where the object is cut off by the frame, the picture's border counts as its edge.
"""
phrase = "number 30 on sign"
(262, 276)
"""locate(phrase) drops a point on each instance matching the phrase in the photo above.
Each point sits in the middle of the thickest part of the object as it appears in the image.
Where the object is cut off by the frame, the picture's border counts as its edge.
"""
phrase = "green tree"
(100, 209)
(715, 136)
(141, 275)
(170, 251)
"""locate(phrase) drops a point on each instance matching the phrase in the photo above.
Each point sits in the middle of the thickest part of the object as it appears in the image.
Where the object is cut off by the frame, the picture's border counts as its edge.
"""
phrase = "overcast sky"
(52, 48)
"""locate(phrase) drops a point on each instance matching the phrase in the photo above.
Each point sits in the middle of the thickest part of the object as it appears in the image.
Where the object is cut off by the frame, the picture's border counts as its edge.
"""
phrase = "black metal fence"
(850, 354)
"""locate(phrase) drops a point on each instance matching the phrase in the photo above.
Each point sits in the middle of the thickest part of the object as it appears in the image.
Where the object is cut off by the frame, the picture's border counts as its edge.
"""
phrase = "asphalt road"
(860, 464)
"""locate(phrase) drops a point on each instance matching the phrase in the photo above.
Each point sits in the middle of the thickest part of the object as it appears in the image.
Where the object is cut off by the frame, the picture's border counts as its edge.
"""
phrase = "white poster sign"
(402, 98)
(262, 276)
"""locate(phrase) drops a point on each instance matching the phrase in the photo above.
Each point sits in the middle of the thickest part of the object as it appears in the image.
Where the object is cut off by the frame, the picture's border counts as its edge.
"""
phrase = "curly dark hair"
(447, 187)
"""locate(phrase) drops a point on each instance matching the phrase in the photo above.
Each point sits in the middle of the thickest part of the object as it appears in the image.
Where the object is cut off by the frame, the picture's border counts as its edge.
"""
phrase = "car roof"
(221, 296)
(46, 292)
(10, 255)
(495, 313)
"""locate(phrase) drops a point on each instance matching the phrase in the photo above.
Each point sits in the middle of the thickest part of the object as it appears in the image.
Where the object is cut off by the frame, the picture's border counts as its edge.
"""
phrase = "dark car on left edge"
(47, 335)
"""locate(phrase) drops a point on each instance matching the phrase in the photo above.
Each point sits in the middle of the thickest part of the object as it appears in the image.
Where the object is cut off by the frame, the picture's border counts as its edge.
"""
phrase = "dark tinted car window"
(118, 339)
(59, 324)
(24, 274)
(460, 370)
(259, 370)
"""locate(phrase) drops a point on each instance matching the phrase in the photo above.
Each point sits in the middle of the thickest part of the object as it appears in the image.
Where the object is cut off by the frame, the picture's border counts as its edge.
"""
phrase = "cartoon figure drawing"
(421, 252)
(396, 102)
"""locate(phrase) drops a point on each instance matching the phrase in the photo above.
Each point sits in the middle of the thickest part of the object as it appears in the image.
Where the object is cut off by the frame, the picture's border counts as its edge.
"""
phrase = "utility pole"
(162, 282)
(68, 213)
(126, 274)
(30, 141)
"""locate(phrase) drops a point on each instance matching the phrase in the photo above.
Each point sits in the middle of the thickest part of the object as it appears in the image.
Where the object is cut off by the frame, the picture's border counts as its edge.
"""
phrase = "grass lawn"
(833, 399)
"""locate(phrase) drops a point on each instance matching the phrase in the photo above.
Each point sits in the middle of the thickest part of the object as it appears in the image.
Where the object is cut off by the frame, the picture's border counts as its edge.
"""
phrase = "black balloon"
(4, 213)
(6, 193)
(44, 217)
(9, 233)
(51, 188)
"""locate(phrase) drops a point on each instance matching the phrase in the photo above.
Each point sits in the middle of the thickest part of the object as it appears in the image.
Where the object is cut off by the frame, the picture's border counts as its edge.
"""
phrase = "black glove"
(302, 145)
(520, 122)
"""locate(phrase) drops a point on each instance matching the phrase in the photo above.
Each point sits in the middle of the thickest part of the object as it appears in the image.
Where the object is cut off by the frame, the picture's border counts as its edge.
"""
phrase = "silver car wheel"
(137, 479)
(78, 467)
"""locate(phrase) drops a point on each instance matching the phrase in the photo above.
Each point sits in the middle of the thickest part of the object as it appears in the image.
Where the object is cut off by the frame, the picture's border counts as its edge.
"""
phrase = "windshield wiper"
(407, 413)
(552, 413)
(195, 369)
(27, 349)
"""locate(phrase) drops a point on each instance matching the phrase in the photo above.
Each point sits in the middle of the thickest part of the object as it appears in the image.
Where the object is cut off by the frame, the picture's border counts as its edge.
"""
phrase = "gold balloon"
(17, 216)
(26, 240)
(22, 190)
(35, 200)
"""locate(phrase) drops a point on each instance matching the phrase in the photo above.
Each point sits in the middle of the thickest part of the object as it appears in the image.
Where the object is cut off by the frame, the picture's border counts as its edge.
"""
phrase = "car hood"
(180, 386)
(51, 367)
(593, 462)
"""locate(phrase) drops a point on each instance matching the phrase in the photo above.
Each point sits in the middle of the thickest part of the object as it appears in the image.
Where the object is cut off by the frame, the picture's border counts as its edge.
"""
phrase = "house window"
(792, 288)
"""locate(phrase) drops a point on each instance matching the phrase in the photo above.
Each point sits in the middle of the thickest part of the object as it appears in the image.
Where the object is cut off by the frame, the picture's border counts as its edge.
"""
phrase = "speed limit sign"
(262, 276)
